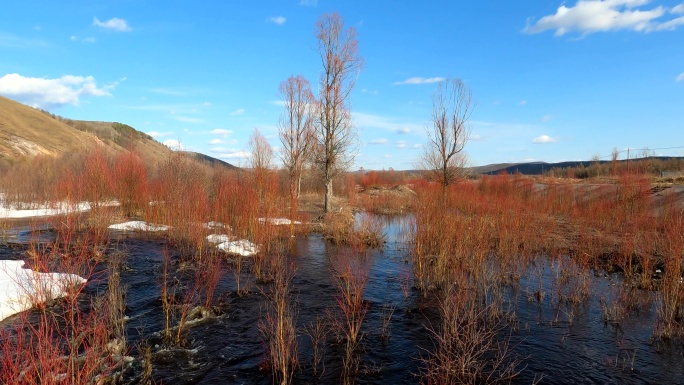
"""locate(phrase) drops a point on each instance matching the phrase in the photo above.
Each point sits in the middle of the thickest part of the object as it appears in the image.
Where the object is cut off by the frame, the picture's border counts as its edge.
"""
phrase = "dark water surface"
(559, 344)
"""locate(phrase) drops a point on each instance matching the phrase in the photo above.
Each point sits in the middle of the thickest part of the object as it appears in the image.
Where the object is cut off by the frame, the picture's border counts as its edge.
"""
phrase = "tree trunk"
(328, 195)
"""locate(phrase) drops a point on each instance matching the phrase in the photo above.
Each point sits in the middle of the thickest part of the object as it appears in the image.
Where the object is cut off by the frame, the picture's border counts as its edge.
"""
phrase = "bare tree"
(613, 159)
(260, 160)
(295, 128)
(261, 153)
(333, 132)
(443, 156)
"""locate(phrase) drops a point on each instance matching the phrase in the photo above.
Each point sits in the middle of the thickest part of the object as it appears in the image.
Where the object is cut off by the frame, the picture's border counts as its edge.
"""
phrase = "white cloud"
(418, 145)
(114, 24)
(680, 77)
(308, 3)
(589, 16)
(221, 131)
(475, 137)
(419, 80)
(239, 111)
(235, 155)
(522, 102)
(542, 139)
(547, 118)
(401, 144)
(157, 134)
(216, 141)
(280, 20)
(404, 130)
(378, 141)
(173, 144)
(50, 93)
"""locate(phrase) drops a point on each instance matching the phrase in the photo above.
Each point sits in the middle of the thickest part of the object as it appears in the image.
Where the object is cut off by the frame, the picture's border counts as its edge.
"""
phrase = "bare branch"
(333, 130)
(443, 156)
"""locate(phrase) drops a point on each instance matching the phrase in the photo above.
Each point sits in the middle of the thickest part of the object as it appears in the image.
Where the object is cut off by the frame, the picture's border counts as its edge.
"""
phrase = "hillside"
(209, 160)
(25, 131)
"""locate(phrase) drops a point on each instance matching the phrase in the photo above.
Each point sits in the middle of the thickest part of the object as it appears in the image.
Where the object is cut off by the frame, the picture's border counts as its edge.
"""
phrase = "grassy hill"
(28, 132)
(25, 131)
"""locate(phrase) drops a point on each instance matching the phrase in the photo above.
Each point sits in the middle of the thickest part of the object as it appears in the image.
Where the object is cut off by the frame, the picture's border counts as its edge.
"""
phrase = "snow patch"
(21, 289)
(241, 247)
(218, 238)
(215, 225)
(138, 226)
(278, 221)
(31, 210)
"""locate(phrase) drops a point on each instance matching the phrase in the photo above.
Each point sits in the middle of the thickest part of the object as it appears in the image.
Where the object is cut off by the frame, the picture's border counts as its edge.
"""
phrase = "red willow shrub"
(131, 186)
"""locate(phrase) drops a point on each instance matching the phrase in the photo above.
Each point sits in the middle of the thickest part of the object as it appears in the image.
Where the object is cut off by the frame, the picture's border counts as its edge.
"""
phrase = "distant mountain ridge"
(539, 168)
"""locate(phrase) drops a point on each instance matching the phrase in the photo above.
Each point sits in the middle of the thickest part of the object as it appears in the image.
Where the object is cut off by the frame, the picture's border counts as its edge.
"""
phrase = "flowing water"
(558, 344)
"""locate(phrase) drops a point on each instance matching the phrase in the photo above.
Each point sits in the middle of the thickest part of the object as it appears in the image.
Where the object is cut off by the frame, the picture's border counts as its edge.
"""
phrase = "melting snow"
(44, 210)
(278, 221)
(21, 288)
(138, 226)
(215, 225)
(218, 238)
(241, 246)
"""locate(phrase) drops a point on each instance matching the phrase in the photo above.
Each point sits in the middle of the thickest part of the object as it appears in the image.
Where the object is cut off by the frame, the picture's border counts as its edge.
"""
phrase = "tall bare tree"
(443, 156)
(295, 128)
(260, 159)
(333, 132)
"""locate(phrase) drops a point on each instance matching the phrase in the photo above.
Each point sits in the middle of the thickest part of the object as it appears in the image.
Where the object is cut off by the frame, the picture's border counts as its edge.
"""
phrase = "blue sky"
(553, 80)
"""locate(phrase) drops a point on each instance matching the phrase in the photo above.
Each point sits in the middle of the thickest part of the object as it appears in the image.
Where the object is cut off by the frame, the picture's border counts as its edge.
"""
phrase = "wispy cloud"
(590, 16)
(378, 141)
(308, 3)
(50, 93)
(401, 144)
(543, 139)
(221, 131)
(157, 134)
(239, 111)
(419, 80)
(82, 40)
(680, 77)
(404, 130)
(216, 141)
(113, 24)
(547, 118)
(280, 20)
(522, 102)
